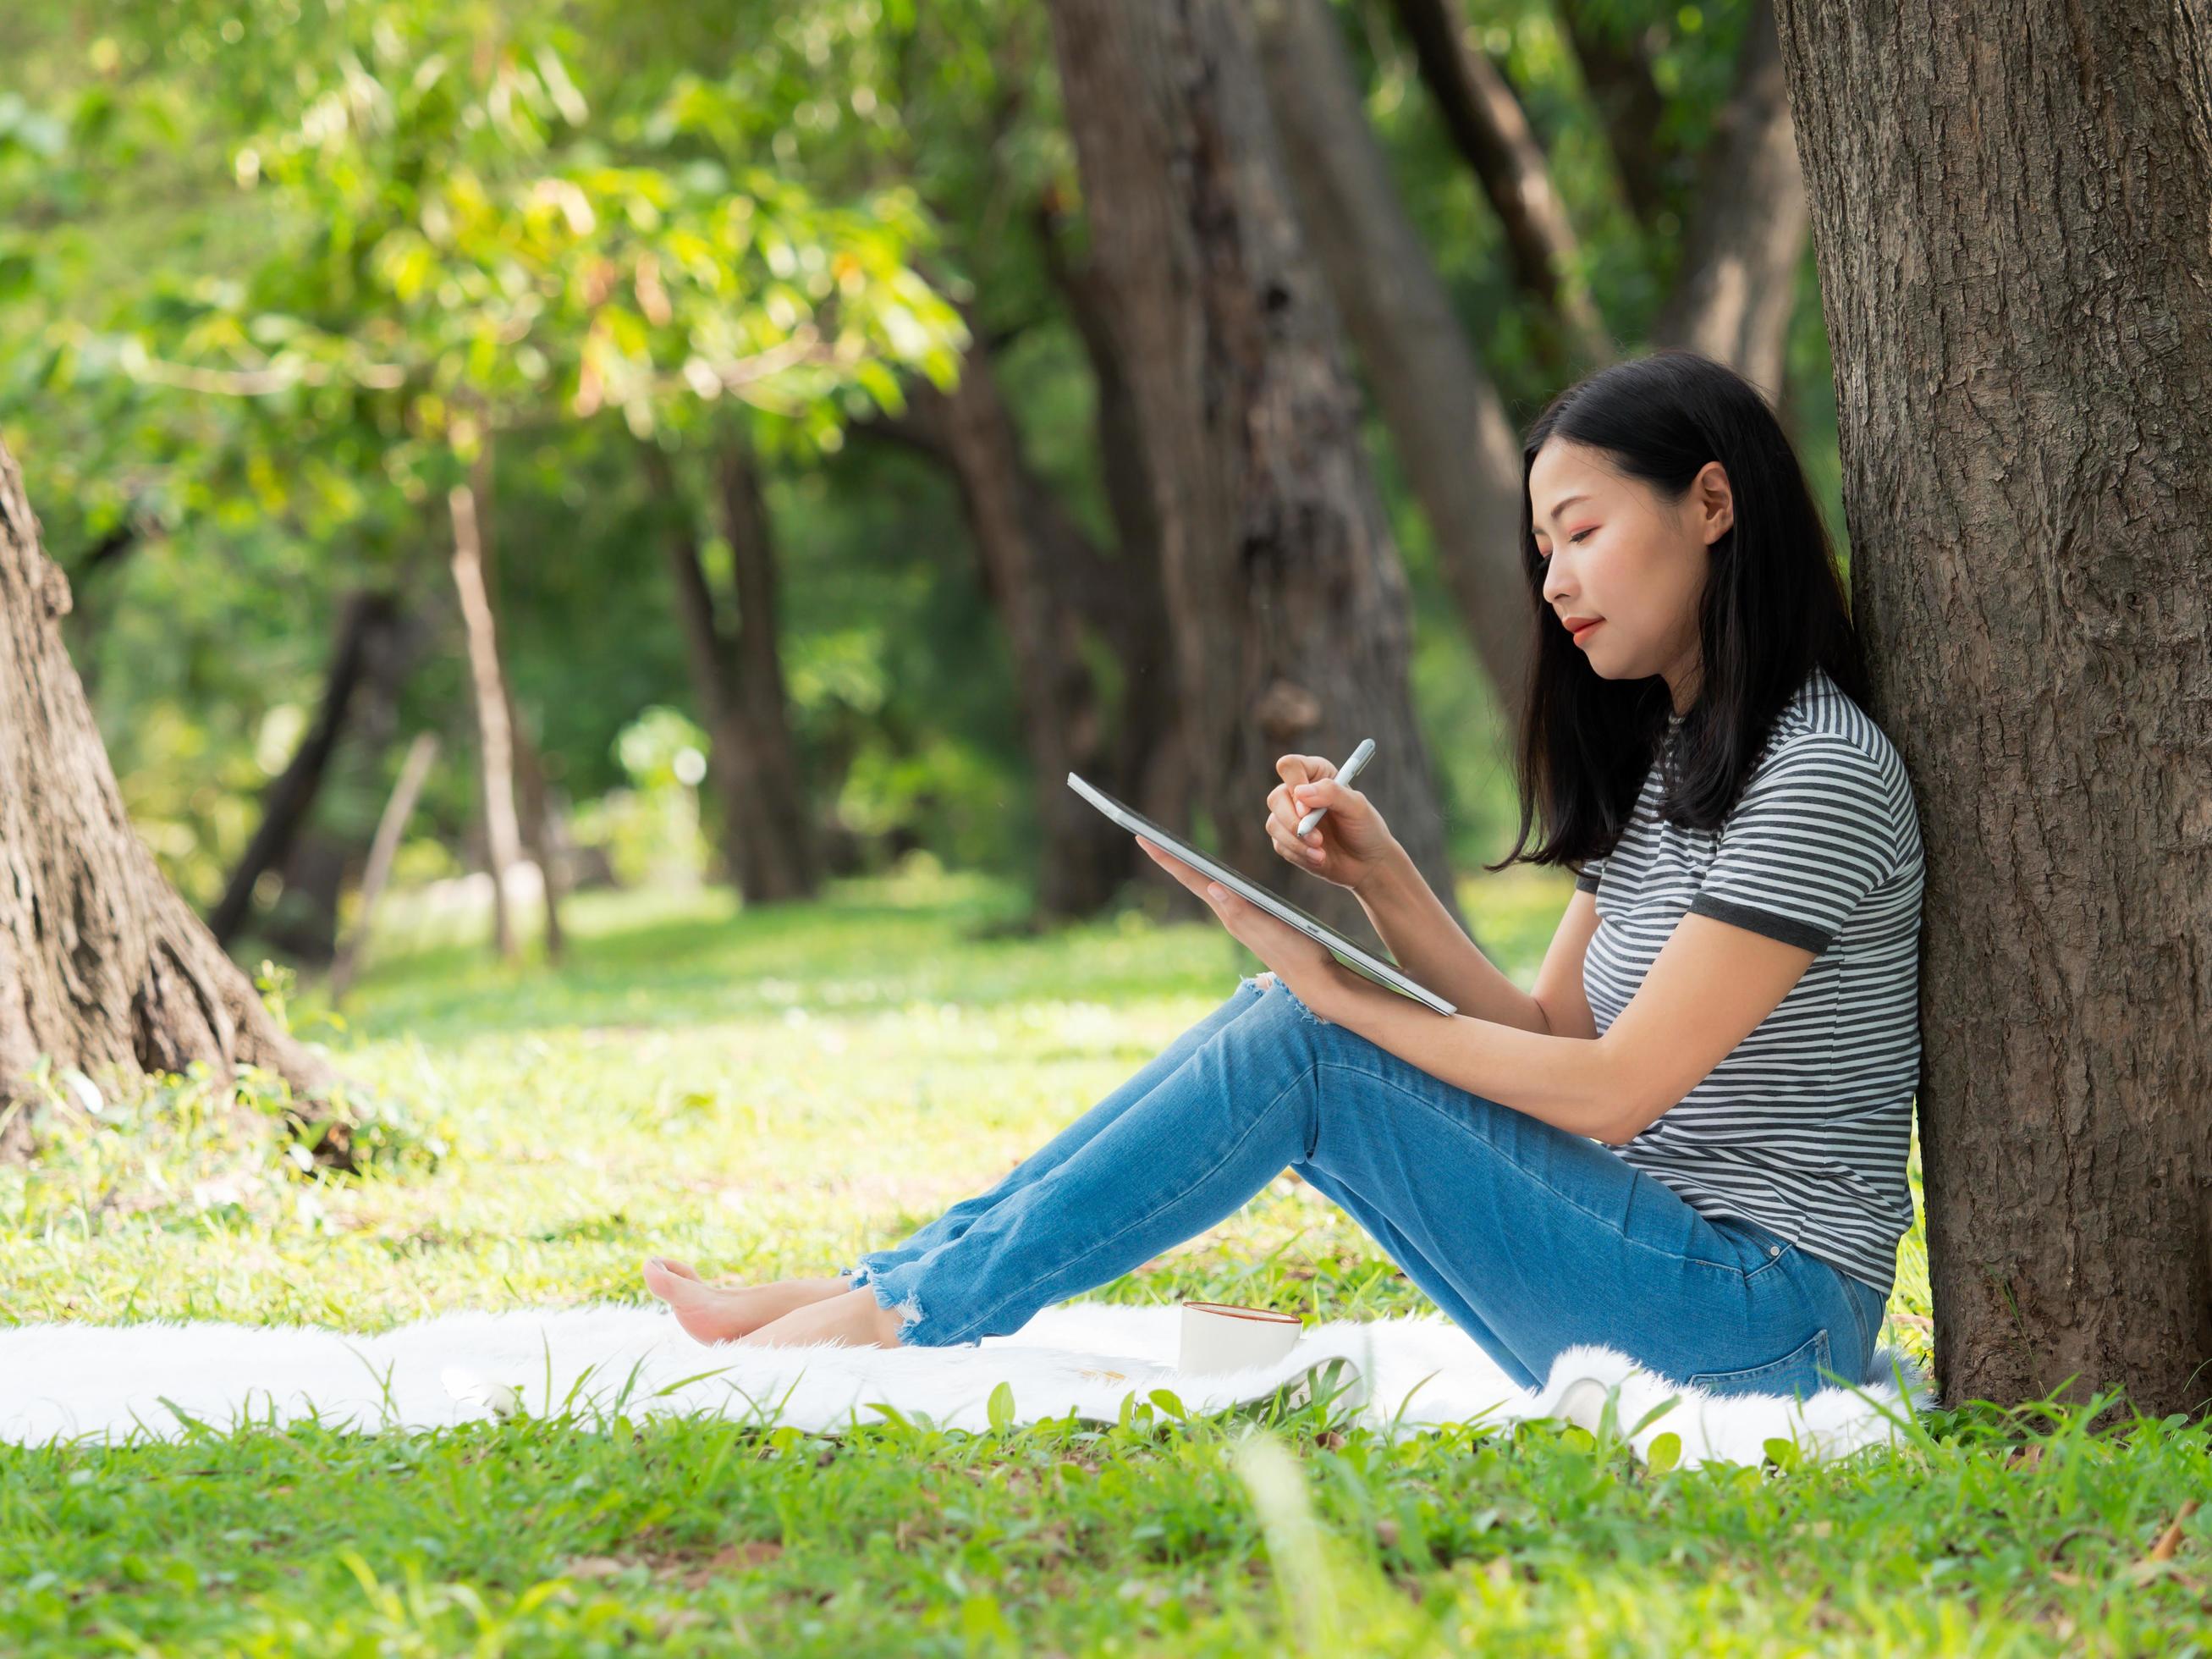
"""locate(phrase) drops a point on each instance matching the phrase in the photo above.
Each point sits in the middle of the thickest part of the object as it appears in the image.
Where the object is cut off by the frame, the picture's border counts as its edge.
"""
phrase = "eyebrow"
(1565, 502)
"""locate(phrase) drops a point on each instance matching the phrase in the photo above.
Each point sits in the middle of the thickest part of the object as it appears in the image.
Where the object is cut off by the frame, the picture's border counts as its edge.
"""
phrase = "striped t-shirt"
(1804, 1127)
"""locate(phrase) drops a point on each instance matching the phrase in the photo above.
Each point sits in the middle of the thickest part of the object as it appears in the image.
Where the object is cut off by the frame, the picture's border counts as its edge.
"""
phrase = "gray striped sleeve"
(1813, 833)
(1586, 882)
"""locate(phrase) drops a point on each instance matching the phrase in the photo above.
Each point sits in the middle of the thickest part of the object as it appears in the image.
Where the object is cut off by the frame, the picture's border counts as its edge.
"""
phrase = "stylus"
(1345, 774)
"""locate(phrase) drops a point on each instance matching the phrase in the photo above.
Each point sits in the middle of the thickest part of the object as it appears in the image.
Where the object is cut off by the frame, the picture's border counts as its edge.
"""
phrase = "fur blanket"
(1080, 1357)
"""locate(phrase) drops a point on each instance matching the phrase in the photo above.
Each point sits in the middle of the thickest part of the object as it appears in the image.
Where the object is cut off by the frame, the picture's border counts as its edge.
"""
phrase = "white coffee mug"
(1220, 1336)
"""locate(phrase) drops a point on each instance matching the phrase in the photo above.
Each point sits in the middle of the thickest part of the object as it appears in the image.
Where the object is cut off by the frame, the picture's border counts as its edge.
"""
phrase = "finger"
(1291, 768)
(1300, 853)
(1327, 791)
(1174, 866)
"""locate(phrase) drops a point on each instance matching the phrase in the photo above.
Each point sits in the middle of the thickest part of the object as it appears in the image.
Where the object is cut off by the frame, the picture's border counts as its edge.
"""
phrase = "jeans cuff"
(912, 1333)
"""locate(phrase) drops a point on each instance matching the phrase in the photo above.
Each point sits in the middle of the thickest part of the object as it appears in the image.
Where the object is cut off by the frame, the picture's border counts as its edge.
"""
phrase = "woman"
(1689, 1143)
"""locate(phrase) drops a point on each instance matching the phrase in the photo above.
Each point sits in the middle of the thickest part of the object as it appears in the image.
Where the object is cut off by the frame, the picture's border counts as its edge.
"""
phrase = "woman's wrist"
(1387, 875)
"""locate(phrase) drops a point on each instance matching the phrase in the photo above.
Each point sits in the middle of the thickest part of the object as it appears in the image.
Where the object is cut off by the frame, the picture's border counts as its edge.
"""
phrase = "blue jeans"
(1529, 1237)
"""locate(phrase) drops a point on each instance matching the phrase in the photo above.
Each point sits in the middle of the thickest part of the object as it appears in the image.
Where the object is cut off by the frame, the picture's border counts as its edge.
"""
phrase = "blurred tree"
(769, 839)
(472, 252)
(1285, 595)
(1447, 419)
(1492, 133)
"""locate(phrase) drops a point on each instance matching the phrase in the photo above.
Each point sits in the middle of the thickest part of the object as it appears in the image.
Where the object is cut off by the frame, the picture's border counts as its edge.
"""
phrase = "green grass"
(769, 1095)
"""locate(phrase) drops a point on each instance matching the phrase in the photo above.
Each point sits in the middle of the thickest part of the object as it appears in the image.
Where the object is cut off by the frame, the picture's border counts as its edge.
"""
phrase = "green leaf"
(1665, 1453)
(1001, 1407)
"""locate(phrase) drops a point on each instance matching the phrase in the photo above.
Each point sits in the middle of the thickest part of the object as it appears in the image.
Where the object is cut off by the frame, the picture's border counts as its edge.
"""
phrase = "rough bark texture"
(1734, 297)
(370, 626)
(1485, 122)
(2009, 209)
(101, 964)
(1285, 596)
(1446, 419)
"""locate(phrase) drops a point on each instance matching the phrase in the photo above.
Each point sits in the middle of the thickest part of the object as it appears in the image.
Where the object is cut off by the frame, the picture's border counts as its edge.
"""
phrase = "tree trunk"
(1037, 566)
(784, 864)
(487, 689)
(1446, 419)
(536, 823)
(1149, 768)
(1286, 598)
(737, 674)
(414, 773)
(1486, 123)
(2008, 207)
(1629, 104)
(369, 623)
(101, 964)
(1738, 288)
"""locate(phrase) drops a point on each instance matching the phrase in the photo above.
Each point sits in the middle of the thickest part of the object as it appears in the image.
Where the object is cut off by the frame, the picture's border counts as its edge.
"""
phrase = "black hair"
(1774, 608)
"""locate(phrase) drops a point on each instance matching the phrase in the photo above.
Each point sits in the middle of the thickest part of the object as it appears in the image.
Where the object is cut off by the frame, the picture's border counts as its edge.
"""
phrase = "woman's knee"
(1270, 987)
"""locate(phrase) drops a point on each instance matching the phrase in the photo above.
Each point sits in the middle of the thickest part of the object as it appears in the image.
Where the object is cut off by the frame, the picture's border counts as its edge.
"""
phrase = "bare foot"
(712, 1313)
(853, 1320)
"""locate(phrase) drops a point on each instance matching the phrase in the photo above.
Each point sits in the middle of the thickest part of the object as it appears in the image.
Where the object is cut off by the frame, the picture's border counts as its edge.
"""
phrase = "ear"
(1713, 500)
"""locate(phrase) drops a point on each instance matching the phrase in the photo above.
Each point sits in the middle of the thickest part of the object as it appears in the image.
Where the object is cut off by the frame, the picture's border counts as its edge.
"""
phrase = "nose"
(1551, 590)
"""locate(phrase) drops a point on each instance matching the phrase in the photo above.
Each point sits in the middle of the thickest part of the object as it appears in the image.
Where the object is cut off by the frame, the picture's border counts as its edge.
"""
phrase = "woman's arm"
(1436, 951)
(1709, 987)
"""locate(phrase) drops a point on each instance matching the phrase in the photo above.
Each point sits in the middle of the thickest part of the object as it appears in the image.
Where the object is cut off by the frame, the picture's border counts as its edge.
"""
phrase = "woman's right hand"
(1350, 846)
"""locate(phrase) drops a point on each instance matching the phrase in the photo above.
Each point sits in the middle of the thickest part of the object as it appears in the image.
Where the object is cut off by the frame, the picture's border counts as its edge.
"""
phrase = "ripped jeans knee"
(1269, 981)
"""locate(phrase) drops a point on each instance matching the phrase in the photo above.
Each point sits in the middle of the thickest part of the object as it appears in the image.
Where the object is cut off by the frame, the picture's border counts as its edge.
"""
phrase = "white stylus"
(1344, 774)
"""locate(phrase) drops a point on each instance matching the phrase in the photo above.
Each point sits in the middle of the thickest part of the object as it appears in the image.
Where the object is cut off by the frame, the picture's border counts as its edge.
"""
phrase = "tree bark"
(1286, 598)
(1446, 419)
(1487, 124)
(1734, 297)
(487, 689)
(2009, 208)
(101, 964)
(369, 623)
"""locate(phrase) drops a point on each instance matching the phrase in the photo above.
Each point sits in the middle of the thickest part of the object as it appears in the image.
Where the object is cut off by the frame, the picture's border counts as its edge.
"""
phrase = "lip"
(1579, 632)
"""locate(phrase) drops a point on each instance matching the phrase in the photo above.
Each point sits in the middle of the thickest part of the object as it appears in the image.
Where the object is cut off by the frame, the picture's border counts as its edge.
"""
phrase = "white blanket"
(1083, 1358)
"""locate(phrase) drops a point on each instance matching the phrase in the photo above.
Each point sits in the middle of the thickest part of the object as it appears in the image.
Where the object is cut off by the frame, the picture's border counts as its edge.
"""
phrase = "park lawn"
(768, 1095)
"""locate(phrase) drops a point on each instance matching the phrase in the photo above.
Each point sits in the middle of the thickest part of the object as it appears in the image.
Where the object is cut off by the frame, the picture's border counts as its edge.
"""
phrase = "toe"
(665, 1282)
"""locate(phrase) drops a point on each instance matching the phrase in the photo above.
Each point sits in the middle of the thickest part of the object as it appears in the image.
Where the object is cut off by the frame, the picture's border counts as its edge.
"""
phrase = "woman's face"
(1612, 549)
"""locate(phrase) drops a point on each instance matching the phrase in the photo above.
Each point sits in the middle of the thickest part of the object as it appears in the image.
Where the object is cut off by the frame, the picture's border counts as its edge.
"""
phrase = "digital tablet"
(1344, 951)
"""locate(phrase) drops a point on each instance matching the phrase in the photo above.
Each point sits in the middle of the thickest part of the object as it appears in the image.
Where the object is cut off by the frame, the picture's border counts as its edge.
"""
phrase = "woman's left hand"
(1300, 963)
